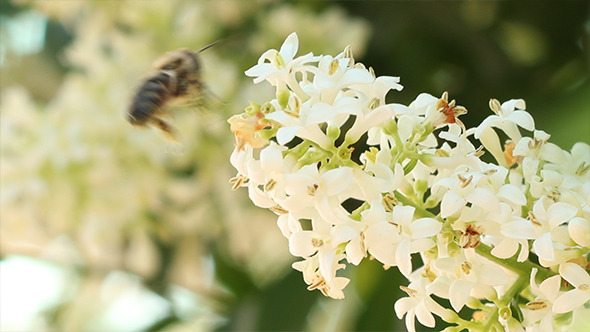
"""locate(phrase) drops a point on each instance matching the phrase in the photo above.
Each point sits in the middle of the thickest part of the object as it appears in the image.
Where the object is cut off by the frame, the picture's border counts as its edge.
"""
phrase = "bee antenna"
(213, 43)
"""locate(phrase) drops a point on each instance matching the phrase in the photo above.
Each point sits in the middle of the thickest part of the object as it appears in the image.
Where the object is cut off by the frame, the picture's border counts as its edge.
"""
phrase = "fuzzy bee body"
(175, 76)
(150, 97)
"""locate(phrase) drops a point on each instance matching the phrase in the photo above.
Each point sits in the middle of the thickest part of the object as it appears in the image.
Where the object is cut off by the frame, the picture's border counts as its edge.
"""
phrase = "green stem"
(419, 210)
(521, 268)
(504, 302)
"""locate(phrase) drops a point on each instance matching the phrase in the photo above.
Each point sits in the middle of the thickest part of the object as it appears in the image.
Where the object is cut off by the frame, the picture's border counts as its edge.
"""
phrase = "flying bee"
(175, 76)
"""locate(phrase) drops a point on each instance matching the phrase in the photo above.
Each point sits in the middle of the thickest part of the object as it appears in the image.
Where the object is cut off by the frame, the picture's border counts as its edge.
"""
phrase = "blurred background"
(106, 227)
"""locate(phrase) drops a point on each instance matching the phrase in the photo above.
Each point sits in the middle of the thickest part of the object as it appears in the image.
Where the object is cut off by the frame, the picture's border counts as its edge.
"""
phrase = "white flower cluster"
(350, 175)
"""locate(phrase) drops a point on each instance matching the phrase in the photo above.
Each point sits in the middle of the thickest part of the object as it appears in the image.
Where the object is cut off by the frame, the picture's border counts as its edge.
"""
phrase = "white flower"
(387, 178)
(316, 280)
(269, 170)
(419, 304)
(364, 122)
(393, 242)
(304, 125)
(281, 65)
(334, 75)
(460, 186)
(577, 277)
(508, 116)
(543, 226)
(353, 232)
(538, 312)
(577, 163)
(324, 192)
(535, 151)
(470, 276)
(288, 224)
(305, 243)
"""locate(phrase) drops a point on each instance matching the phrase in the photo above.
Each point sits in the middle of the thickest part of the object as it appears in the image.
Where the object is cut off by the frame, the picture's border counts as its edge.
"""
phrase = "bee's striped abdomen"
(150, 97)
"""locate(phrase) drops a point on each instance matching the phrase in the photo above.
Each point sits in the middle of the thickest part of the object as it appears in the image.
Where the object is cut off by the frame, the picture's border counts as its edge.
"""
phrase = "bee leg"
(167, 129)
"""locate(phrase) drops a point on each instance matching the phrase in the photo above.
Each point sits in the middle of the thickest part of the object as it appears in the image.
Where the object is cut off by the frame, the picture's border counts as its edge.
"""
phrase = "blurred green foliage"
(477, 50)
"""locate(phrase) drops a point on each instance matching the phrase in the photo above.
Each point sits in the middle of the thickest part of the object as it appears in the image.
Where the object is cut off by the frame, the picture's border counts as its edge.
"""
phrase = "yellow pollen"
(495, 105)
(237, 181)
(478, 315)
(319, 283)
(466, 267)
(312, 189)
(389, 201)
(409, 291)
(374, 103)
(479, 151)
(536, 305)
(470, 237)
(582, 169)
(270, 185)
(317, 243)
(465, 181)
(428, 273)
(554, 194)
(533, 219)
(278, 209)
(491, 172)
(509, 156)
(333, 67)
(348, 54)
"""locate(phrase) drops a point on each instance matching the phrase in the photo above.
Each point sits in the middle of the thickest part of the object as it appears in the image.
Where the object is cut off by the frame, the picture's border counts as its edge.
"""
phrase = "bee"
(175, 76)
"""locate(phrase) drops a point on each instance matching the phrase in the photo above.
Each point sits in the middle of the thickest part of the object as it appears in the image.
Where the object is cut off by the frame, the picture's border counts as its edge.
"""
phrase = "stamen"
(536, 305)
(409, 291)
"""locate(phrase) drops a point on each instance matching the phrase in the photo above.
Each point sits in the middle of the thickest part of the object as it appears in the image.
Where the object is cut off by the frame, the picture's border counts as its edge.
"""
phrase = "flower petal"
(574, 274)
(544, 247)
(459, 293)
(560, 212)
(425, 227)
(403, 305)
(451, 203)
(402, 214)
(523, 119)
(512, 194)
(289, 47)
(424, 315)
(300, 244)
(485, 199)
(550, 287)
(569, 301)
(579, 230)
(271, 158)
(342, 233)
(519, 229)
(403, 258)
